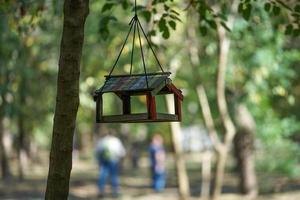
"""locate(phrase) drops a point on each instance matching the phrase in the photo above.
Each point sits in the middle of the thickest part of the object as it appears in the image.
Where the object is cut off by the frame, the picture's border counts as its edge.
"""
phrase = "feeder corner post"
(151, 106)
(99, 107)
(126, 101)
(177, 105)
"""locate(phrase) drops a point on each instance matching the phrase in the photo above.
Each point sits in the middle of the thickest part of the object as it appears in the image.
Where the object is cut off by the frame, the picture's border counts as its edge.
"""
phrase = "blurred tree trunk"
(221, 148)
(21, 147)
(244, 151)
(205, 108)
(182, 176)
(5, 168)
(230, 130)
(67, 100)
(206, 174)
(20, 143)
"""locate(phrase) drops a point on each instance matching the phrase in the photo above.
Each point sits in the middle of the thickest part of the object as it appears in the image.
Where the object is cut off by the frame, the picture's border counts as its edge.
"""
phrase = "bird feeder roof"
(135, 82)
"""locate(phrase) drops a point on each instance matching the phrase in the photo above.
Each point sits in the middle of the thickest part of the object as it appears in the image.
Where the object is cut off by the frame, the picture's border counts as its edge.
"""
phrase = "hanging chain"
(142, 54)
(136, 24)
(131, 24)
(149, 43)
(133, 44)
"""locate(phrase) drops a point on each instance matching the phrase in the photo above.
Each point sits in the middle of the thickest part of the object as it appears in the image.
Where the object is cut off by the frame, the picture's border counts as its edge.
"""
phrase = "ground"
(134, 184)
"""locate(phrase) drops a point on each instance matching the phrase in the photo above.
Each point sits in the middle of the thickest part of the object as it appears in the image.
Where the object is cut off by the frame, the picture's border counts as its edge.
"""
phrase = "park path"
(134, 185)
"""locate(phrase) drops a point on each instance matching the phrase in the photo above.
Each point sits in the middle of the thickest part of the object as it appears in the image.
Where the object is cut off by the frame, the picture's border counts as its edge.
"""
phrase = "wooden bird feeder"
(126, 86)
(147, 84)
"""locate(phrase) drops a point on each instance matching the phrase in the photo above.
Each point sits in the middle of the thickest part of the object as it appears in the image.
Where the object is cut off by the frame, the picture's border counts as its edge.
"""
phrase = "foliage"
(263, 67)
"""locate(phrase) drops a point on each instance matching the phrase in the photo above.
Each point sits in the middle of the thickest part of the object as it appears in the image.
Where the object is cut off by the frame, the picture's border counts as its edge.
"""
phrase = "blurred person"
(109, 152)
(157, 160)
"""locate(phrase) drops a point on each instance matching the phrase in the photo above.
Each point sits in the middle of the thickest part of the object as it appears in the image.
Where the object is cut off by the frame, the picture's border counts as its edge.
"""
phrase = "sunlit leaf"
(172, 25)
(166, 33)
(107, 6)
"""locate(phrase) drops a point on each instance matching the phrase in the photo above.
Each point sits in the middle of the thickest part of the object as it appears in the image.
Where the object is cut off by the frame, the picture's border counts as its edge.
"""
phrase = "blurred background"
(262, 95)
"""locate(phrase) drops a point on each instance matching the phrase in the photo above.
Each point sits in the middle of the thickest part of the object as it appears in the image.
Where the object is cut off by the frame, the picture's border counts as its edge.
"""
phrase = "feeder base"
(138, 118)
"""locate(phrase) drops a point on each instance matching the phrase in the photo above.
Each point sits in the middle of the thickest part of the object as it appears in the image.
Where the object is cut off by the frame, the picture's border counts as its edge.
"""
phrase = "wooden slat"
(133, 83)
(148, 74)
(138, 118)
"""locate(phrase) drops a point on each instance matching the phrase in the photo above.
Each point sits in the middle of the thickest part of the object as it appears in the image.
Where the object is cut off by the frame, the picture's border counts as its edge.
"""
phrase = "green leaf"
(147, 15)
(162, 25)
(296, 15)
(247, 12)
(284, 5)
(297, 8)
(241, 8)
(152, 33)
(222, 16)
(166, 33)
(175, 12)
(175, 17)
(267, 7)
(124, 5)
(276, 10)
(154, 2)
(202, 10)
(166, 7)
(107, 6)
(225, 26)
(203, 30)
(172, 25)
(212, 24)
(289, 29)
(296, 32)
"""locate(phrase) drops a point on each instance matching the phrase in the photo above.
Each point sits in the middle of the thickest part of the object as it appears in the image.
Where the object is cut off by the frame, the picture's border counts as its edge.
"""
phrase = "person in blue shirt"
(157, 160)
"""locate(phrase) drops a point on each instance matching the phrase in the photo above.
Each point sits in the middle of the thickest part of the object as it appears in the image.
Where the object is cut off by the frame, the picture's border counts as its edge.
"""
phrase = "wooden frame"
(163, 88)
(127, 117)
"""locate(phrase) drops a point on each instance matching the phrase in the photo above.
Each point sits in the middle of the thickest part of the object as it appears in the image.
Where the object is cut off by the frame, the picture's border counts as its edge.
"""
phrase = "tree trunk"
(182, 176)
(5, 169)
(244, 151)
(21, 147)
(219, 173)
(67, 100)
(206, 174)
(20, 143)
(205, 108)
(230, 130)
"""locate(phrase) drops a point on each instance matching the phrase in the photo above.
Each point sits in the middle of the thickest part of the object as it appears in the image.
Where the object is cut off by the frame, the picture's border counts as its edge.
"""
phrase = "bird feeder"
(126, 86)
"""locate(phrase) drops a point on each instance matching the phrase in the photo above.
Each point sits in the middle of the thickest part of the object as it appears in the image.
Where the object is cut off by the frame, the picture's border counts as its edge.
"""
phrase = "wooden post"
(177, 104)
(151, 106)
(99, 108)
(126, 104)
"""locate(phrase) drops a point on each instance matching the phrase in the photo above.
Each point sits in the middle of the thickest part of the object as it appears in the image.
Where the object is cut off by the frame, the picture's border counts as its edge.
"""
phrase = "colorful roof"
(133, 83)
